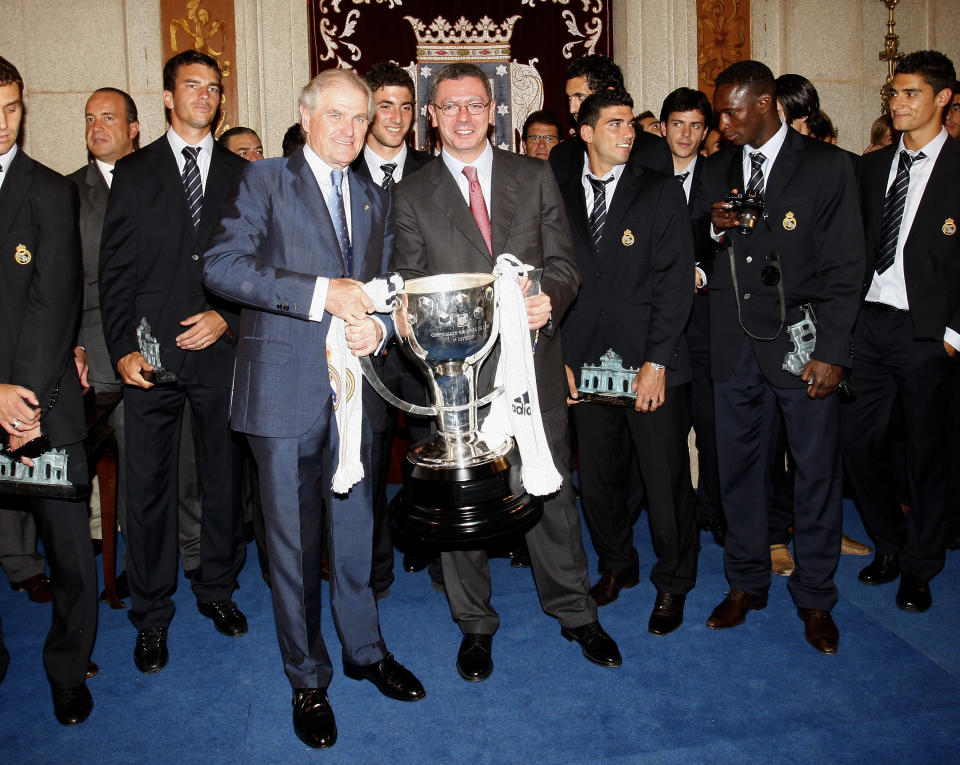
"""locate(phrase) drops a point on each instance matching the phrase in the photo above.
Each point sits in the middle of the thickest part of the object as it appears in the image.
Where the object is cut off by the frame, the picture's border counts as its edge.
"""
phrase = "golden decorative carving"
(891, 53)
(723, 37)
(207, 28)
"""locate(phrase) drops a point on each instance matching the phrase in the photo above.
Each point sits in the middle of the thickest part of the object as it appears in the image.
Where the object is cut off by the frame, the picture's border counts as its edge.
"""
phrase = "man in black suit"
(685, 118)
(908, 331)
(386, 159)
(806, 249)
(588, 75)
(439, 231)
(163, 202)
(633, 246)
(40, 388)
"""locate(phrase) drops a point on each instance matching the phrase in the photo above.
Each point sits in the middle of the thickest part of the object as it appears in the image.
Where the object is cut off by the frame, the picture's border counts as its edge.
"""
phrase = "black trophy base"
(51, 490)
(159, 376)
(463, 508)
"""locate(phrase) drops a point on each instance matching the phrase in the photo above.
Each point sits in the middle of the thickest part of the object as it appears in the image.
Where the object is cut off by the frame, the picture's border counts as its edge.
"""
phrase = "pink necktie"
(478, 207)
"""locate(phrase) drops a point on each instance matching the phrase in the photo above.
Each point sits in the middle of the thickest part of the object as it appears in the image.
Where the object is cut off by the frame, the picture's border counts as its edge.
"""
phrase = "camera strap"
(736, 293)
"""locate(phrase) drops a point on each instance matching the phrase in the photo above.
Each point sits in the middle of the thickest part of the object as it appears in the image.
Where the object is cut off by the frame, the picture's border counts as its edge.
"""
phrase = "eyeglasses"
(547, 139)
(452, 110)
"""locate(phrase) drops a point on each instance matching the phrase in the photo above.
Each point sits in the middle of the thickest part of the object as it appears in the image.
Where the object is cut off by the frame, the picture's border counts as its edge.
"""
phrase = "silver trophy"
(150, 350)
(461, 488)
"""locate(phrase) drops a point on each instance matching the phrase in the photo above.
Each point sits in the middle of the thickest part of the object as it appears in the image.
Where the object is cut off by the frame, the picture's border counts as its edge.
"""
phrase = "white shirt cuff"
(703, 277)
(383, 335)
(317, 305)
(714, 235)
(952, 337)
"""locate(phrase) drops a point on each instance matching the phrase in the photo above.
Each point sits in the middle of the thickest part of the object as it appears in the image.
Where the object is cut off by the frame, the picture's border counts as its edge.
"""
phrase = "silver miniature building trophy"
(460, 489)
(608, 382)
(150, 349)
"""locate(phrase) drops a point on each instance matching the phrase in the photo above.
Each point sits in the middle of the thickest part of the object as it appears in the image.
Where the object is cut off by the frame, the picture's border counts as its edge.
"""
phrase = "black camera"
(750, 209)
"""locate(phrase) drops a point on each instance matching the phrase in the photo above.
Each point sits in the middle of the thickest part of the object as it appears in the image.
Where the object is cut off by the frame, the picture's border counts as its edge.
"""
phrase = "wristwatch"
(655, 365)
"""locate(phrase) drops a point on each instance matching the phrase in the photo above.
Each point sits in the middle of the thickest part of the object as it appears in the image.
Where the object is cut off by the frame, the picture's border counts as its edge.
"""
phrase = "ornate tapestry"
(723, 37)
(524, 46)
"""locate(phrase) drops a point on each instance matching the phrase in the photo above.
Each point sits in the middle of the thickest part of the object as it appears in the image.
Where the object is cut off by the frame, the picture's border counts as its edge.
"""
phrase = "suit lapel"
(165, 166)
(218, 179)
(939, 185)
(359, 220)
(787, 160)
(628, 188)
(308, 193)
(575, 201)
(506, 193)
(96, 190)
(459, 212)
(14, 189)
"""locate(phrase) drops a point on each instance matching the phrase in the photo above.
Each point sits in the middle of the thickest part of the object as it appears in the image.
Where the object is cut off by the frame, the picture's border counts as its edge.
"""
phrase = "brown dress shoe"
(781, 562)
(819, 629)
(733, 609)
(37, 587)
(850, 546)
(667, 613)
(608, 588)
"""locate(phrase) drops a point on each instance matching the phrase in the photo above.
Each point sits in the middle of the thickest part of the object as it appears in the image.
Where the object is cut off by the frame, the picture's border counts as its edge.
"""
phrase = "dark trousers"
(63, 527)
(888, 362)
(709, 505)
(747, 422)
(152, 421)
(609, 439)
(556, 556)
(295, 481)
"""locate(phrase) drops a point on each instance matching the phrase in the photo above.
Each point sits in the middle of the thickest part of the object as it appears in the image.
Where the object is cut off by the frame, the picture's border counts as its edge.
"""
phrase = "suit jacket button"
(279, 306)
(598, 275)
(600, 311)
(746, 295)
(195, 256)
(749, 259)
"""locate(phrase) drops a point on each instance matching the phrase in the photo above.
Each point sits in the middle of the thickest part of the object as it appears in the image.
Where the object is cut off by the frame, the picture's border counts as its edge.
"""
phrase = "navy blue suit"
(274, 239)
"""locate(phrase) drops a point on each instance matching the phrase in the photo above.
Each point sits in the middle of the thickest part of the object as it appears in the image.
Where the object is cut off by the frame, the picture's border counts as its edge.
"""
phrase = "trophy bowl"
(461, 488)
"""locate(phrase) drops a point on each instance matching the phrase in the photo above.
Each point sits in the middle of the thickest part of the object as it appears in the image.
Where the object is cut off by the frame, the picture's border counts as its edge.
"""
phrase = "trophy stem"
(455, 385)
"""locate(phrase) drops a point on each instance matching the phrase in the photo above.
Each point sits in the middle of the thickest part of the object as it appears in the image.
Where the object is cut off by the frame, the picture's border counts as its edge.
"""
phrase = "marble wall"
(67, 48)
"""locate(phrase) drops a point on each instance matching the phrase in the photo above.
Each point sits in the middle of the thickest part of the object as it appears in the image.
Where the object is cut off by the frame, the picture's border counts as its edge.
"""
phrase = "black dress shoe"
(717, 527)
(819, 629)
(313, 718)
(150, 653)
(597, 645)
(227, 618)
(72, 705)
(608, 588)
(390, 676)
(883, 569)
(520, 558)
(667, 613)
(474, 659)
(413, 563)
(733, 609)
(914, 594)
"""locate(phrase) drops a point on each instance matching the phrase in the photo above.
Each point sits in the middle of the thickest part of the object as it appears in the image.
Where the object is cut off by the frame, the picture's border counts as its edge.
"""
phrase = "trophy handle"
(373, 378)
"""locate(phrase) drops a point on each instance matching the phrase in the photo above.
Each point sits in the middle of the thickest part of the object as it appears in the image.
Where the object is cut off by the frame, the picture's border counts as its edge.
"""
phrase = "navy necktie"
(339, 216)
(681, 178)
(599, 215)
(388, 180)
(892, 214)
(191, 183)
(755, 184)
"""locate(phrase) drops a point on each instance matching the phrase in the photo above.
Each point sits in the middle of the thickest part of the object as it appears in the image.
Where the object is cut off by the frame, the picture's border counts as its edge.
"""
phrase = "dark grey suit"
(437, 234)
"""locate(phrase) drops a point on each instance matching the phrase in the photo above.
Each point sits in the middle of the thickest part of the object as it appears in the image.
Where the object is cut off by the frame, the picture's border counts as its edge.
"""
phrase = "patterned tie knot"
(599, 187)
(907, 161)
(388, 168)
(757, 158)
(682, 177)
(190, 153)
(336, 178)
(471, 173)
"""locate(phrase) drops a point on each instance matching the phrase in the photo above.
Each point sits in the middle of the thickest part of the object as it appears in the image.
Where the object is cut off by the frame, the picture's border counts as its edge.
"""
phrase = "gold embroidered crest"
(949, 227)
(789, 221)
(22, 255)
(627, 239)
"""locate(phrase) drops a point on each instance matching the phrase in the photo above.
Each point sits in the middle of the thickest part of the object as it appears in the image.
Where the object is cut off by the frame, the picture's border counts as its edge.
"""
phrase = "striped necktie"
(681, 178)
(755, 184)
(192, 184)
(892, 213)
(599, 215)
(388, 180)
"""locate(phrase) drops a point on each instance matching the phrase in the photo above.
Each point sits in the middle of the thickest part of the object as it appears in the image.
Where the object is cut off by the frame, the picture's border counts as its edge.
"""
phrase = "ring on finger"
(16, 424)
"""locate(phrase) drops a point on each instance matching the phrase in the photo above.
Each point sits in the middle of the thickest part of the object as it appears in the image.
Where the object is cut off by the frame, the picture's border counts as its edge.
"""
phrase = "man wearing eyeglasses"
(806, 249)
(457, 215)
(540, 134)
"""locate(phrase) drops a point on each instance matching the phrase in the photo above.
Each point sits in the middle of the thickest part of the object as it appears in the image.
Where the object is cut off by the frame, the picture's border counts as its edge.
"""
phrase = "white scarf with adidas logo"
(517, 411)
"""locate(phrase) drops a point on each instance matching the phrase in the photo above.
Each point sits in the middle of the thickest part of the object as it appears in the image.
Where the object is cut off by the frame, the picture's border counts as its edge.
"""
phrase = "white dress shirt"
(484, 165)
(203, 158)
(374, 161)
(107, 172)
(890, 287)
(611, 186)
(5, 160)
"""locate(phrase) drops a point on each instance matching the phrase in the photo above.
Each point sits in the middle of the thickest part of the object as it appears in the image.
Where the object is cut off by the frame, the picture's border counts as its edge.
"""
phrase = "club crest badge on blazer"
(627, 239)
(949, 227)
(22, 255)
(789, 221)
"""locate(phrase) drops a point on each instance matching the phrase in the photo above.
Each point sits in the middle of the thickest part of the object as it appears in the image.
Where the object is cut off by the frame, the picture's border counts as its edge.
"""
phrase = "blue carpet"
(757, 693)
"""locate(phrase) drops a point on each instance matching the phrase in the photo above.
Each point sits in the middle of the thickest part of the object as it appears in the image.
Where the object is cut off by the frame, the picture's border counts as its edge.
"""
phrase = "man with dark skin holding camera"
(805, 249)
